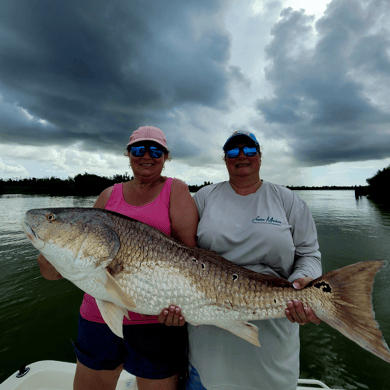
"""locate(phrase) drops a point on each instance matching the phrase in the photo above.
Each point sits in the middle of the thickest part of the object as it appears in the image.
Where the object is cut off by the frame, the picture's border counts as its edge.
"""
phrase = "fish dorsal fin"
(116, 292)
(246, 331)
(112, 315)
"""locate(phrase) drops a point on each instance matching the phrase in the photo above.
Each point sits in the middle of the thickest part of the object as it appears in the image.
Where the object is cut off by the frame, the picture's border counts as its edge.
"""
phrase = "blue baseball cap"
(241, 133)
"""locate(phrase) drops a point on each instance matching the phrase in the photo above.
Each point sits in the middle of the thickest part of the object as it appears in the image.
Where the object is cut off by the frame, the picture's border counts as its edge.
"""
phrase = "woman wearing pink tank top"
(150, 350)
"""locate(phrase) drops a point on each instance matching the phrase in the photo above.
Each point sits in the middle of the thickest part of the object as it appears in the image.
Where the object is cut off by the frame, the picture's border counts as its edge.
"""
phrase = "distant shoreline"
(336, 188)
(92, 185)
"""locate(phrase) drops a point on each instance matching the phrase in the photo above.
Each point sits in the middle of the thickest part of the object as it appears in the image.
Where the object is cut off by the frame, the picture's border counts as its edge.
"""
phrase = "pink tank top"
(155, 214)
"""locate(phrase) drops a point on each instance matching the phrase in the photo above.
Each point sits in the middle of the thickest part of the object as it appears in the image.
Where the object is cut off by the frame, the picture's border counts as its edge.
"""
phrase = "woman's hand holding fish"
(171, 316)
(47, 270)
(295, 311)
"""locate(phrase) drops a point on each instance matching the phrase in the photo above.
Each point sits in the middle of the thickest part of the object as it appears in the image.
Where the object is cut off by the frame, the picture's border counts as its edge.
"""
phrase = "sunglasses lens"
(138, 151)
(155, 153)
(250, 152)
(233, 153)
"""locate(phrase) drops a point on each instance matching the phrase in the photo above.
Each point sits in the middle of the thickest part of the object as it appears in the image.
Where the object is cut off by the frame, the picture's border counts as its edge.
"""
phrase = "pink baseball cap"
(148, 133)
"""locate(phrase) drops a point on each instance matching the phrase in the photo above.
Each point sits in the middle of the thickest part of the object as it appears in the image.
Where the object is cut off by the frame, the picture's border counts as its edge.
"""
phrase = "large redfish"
(128, 265)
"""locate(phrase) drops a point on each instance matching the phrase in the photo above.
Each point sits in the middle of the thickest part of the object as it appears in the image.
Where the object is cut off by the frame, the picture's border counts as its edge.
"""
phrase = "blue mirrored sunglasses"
(139, 151)
(248, 151)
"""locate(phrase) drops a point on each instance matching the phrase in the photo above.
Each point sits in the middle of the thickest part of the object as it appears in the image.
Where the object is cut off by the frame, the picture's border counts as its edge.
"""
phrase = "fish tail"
(351, 311)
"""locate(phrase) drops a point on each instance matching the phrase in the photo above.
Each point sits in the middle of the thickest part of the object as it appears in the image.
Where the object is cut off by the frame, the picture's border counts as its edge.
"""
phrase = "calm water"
(38, 318)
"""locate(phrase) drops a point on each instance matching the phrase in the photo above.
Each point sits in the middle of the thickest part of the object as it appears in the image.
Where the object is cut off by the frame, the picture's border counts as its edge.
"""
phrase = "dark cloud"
(239, 77)
(320, 105)
(96, 69)
(370, 54)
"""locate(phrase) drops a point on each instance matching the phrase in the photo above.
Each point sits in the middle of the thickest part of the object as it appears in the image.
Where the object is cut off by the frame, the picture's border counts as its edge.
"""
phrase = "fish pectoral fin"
(112, 315)
(116, 292)
(246, 331)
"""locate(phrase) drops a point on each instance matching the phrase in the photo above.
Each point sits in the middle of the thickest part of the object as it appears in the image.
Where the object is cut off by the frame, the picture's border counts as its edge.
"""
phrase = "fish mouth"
(34, 238)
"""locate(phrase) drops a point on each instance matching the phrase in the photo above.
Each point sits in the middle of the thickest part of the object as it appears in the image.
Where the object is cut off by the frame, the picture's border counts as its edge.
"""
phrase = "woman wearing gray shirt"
(268, 229)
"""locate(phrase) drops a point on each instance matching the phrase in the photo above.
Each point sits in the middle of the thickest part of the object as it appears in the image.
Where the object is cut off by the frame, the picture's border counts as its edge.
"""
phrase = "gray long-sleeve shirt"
(272, 232)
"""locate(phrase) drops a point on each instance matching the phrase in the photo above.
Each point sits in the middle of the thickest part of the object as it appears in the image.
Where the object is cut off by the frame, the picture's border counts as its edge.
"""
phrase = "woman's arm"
(183, 214)
(102, 200)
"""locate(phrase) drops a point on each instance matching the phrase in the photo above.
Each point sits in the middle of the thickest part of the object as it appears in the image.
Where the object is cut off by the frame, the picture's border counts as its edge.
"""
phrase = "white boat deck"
(53, 375)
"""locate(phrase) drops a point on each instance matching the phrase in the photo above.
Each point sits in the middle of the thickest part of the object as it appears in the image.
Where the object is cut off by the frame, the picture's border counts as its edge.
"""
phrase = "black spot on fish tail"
(325, 287)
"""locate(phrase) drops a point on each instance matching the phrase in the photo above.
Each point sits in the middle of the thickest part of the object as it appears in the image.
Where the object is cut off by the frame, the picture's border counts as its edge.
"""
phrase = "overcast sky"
(311, 79)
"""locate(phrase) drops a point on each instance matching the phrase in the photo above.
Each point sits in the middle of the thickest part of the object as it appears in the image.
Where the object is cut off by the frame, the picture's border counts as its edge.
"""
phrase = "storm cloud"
(89, 71)
(320, 77)
(77, 77)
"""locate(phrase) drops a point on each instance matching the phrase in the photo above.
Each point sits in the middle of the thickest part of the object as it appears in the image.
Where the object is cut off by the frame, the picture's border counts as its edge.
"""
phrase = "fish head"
(78, 242)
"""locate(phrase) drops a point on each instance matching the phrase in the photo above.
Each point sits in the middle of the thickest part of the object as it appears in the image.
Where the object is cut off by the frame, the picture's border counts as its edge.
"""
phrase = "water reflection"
(348, 230)
(87, 201)
(384, 211)
(39, 317)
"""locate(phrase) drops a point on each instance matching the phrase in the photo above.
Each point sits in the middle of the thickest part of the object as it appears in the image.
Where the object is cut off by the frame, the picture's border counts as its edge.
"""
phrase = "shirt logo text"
(268, 220)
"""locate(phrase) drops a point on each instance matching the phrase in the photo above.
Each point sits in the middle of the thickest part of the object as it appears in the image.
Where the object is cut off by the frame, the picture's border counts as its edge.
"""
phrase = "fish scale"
(231, 291)
(128, 265)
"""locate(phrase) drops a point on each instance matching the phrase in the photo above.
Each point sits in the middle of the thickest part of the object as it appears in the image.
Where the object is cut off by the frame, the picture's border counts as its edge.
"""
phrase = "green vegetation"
(321, 188)
(92, 185)
(81, 185)
(195, 188)
(379, 185)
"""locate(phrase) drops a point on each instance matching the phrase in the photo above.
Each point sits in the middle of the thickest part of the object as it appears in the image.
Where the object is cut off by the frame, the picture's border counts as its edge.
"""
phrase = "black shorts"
(153, 351)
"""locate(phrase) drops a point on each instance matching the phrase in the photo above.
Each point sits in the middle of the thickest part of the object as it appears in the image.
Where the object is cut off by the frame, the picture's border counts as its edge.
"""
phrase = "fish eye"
(51, 217)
